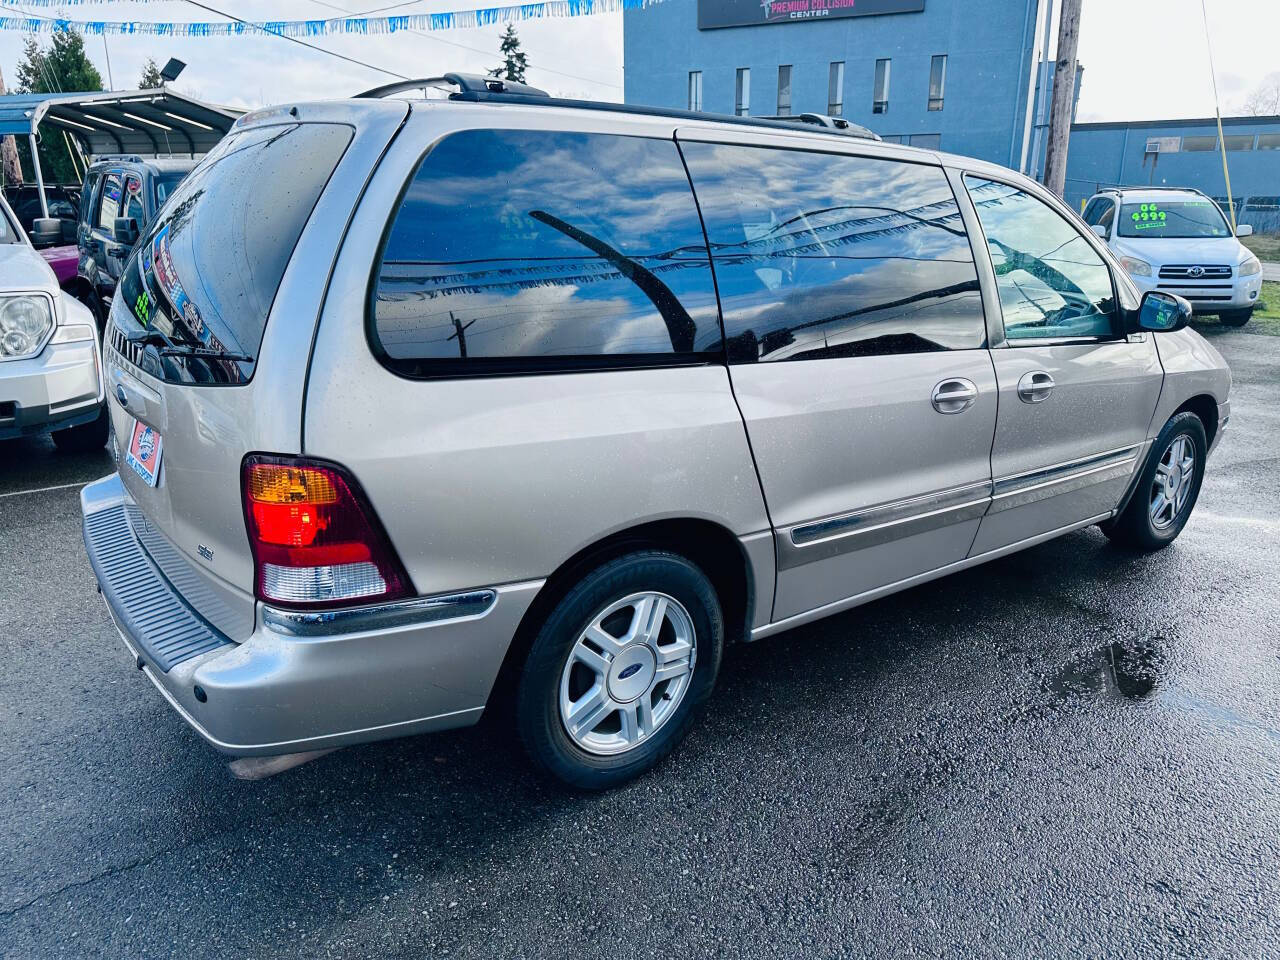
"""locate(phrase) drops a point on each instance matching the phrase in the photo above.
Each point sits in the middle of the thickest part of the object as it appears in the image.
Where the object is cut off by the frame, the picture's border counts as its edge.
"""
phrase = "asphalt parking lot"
(1068, 752)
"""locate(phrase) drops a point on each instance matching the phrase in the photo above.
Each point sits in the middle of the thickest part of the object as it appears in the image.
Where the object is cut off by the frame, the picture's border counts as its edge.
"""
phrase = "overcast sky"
(1143, 59)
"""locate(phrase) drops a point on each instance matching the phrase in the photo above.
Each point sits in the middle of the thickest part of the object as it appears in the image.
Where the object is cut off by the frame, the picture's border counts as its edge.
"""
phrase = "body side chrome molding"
(1045, 482)
(822, 539)
(849, 602)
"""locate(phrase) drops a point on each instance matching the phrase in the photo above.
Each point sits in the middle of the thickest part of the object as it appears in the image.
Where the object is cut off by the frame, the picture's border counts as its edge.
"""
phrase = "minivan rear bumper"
(302, 680)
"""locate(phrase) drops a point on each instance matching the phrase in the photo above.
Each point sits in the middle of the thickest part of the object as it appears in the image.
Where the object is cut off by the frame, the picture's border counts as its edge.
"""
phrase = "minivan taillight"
(315, 539)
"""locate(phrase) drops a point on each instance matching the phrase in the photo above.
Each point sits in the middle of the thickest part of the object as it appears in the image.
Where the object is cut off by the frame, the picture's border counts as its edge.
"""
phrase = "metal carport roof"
(144, 122)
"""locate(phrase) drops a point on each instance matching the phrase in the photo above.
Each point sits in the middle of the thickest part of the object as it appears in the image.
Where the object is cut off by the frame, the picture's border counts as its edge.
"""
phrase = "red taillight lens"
(315, 539)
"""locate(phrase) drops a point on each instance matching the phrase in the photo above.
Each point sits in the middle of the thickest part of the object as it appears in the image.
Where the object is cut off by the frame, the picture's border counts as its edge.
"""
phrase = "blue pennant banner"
(448, 20)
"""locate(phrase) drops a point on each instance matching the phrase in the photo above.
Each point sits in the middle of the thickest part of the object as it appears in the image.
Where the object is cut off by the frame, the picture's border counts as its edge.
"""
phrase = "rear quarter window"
(517, 251)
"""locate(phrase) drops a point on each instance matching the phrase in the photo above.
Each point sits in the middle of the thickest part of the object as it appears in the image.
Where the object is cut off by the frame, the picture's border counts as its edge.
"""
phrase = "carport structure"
(146, 123)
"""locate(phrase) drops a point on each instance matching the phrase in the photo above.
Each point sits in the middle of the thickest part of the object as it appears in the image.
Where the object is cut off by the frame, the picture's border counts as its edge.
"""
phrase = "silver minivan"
(504, 403)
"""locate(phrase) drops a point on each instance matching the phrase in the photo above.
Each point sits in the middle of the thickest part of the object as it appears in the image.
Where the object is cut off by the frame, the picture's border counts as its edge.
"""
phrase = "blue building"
(1182, 153)
(948, 74)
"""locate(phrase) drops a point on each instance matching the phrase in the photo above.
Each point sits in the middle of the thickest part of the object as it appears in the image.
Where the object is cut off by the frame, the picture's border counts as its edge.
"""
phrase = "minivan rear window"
(520, 251)
(206, 273)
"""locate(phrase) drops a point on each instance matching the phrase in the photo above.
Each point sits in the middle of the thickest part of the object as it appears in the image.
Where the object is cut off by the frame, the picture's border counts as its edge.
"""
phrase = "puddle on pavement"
(1120, 670)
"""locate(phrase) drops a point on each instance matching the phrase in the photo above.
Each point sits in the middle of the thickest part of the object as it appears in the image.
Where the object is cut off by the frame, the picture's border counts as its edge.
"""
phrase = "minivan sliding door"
(855, 336)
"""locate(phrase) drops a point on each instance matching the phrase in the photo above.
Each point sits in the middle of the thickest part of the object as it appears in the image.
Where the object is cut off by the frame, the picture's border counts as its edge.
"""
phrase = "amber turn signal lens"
(272, 483)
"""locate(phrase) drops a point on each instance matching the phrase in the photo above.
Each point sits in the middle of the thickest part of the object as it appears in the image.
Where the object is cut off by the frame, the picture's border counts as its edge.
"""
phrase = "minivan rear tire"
(555, 664)
(1135, 528)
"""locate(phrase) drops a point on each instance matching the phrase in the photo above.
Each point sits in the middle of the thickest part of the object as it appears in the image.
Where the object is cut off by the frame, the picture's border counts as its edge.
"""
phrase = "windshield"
(206, 273)
(1181, 219)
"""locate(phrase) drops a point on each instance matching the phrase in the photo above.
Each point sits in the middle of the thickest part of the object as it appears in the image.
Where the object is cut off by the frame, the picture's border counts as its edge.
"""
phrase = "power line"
(301, 43)
(454, 43)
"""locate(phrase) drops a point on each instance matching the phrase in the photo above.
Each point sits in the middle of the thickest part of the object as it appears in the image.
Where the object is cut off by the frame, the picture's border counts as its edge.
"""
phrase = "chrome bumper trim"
(381, 616)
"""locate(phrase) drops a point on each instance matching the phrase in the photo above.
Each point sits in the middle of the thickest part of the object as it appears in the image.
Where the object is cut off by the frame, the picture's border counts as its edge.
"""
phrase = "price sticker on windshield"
(143, 455)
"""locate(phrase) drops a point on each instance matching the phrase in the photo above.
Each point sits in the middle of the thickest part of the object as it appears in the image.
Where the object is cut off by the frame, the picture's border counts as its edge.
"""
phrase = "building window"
(1243, 142)
(742, 94)
(1261, 205)
(881, 102)
(1199, 144)
(835, 89)
(1163, 144)
(937, 81)
(1269, 141)
(784, 90)
(929, 141)
(695, 89)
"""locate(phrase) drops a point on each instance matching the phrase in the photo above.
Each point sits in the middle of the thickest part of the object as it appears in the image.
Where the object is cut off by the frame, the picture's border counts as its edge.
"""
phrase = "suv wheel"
(1236, 318)
(1167, 488)
(86, 437)
(617, 671)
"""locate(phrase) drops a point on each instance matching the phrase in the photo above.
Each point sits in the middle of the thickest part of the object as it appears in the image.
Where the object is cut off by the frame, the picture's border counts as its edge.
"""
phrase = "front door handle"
(1035, 387)
(954, 396)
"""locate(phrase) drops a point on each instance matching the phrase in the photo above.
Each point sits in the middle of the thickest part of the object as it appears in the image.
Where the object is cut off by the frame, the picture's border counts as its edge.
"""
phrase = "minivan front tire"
(1167, 489)
(618, 670)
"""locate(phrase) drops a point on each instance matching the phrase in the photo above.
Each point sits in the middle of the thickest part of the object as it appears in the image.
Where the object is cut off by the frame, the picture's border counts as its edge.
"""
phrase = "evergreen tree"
(62, 68)
(514, 60)
(150, 76)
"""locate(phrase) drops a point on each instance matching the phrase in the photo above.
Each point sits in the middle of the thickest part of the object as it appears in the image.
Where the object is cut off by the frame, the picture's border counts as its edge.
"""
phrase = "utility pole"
(460, 331)
(1064, 96)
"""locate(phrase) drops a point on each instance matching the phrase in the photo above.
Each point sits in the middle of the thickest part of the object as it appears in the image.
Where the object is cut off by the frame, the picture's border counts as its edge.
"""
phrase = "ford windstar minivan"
(502, 401)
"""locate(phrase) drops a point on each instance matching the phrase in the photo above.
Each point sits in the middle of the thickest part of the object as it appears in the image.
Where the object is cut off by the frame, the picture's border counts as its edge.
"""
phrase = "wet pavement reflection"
(1120, 670)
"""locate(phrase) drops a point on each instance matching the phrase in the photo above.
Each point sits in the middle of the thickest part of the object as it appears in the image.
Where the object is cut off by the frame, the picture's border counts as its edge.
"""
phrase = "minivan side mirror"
(1244, 229)
(1163, 312)
(126, 231)
(1100, 231)
(46, 232)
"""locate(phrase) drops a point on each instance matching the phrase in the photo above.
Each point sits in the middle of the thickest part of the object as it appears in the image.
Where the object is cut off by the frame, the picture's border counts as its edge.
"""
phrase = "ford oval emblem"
(630, 671)
(121, 395)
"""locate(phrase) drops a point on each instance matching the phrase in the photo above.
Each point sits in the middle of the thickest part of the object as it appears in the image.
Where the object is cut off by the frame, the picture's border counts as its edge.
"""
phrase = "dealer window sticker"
(1149, 216)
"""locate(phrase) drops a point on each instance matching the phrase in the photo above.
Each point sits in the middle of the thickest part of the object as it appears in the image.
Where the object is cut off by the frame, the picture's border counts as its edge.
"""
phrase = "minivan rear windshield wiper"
(204, 353)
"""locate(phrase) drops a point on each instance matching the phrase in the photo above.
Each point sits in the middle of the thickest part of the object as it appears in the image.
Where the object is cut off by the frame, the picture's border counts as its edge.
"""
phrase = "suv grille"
(1181, 271)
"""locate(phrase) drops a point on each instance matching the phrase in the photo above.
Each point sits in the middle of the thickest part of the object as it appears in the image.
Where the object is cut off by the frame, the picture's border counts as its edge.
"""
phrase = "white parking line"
(60, 486)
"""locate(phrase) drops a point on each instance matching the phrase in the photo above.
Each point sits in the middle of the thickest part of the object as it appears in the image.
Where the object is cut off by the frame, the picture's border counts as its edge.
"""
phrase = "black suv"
(120, 197)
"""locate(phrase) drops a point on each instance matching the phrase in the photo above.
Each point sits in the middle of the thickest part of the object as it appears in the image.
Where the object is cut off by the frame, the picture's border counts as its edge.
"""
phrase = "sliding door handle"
(1035, 387)
(954, 396)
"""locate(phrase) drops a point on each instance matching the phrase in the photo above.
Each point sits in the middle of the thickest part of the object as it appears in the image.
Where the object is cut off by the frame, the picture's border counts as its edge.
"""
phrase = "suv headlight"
(1136, 267)
(1250, 266)
(25, 323)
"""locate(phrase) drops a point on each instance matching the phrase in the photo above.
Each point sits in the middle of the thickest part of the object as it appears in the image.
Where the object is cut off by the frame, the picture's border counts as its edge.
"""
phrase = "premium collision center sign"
(748, 13)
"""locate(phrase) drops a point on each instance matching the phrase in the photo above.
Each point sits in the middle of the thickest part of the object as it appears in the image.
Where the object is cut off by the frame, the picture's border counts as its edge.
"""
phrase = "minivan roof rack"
(461, 86)
(474, 88)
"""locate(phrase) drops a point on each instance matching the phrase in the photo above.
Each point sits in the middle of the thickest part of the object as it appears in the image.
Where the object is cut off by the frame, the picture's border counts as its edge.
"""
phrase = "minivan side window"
(826, 255)
(1052, 282)
(519, 251)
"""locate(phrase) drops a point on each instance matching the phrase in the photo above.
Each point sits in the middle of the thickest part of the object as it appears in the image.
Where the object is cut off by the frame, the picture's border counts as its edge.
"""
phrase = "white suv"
(1179, 241)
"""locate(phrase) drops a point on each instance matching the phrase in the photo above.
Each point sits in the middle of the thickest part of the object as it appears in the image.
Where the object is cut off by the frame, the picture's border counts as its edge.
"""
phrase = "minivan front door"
(856, 343)
(1076, 395)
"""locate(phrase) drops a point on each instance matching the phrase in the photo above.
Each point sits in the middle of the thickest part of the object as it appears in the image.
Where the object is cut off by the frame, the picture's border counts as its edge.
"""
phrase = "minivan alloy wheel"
(627, 672)
(1173, 481)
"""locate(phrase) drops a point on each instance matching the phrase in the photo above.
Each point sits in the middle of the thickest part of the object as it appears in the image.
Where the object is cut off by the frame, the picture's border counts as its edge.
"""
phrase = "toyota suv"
(506, 403)
(1179, 241)
(50, 372)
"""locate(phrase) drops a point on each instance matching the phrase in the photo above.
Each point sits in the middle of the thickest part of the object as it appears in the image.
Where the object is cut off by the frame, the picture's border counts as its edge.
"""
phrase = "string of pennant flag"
(444, 20)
